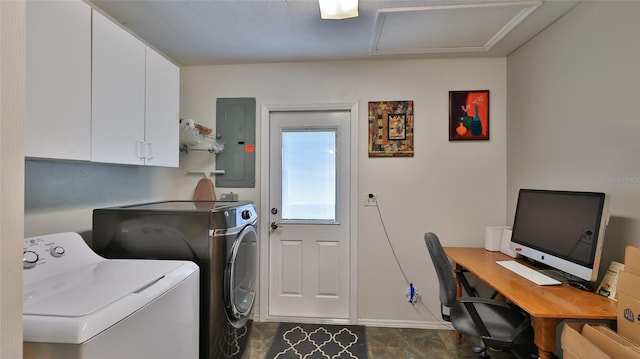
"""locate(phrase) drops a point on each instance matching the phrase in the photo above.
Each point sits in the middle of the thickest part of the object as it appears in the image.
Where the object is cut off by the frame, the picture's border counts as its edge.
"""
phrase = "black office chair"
(498, 325)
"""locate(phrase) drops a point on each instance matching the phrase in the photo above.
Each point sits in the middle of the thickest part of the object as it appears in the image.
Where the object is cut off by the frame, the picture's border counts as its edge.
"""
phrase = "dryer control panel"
(245, 215)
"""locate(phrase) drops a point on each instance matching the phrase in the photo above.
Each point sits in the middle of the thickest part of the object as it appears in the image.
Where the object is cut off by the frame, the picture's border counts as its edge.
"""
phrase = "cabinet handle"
(149, 150)
(140, 149)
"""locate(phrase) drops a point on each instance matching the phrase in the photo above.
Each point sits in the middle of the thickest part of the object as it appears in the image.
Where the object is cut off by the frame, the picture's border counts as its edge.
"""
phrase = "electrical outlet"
(370, 199)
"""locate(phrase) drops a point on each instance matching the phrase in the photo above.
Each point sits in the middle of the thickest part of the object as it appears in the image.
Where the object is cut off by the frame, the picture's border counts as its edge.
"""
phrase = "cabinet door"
(118, 94)
(162, 111)
(58, 80)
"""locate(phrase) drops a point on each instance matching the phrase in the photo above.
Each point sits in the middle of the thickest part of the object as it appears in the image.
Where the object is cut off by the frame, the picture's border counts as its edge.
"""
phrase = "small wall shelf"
(186, 148)
(207, 173)
(192, 140)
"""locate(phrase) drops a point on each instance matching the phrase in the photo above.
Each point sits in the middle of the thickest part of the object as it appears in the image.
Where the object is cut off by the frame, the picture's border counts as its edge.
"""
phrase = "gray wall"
(573, 115)
(60, 196)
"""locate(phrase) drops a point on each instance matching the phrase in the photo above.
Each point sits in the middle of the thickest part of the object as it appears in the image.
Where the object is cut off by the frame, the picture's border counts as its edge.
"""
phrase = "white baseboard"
(381, 323)
(307, 320)
(385, 323)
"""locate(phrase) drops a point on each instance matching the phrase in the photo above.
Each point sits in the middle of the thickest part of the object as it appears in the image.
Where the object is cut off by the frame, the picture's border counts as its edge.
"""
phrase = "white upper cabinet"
(95, 92)
(58, 80)
(162, 111)
(135, 100)
(118, 94)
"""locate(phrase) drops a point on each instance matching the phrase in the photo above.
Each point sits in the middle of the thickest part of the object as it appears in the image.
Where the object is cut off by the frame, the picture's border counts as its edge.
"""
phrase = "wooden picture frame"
(469, 115)
(391, 128)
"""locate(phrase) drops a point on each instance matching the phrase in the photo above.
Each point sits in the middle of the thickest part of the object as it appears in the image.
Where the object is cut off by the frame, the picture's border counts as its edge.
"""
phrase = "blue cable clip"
(412, 293)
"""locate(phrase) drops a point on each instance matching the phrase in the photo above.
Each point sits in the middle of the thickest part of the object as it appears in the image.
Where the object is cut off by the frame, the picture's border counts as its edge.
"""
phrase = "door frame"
(263, 229)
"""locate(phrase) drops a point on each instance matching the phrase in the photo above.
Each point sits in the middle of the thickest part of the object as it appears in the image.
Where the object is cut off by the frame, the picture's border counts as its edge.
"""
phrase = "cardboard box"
(610, 342)
(632, 260)
(629, 305)
(576, 346)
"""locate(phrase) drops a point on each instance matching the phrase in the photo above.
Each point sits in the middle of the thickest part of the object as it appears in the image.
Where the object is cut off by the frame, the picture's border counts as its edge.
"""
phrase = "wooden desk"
(547, 305)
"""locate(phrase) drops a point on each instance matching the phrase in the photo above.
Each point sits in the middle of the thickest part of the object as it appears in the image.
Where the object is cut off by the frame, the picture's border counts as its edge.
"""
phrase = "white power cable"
(386, 234)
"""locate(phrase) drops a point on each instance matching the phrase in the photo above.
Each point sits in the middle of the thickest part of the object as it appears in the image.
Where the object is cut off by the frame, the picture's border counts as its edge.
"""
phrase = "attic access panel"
(461, 27)
(236, 127)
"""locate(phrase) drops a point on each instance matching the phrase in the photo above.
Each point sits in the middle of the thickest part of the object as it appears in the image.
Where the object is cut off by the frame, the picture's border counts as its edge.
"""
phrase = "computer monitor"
(562, 229)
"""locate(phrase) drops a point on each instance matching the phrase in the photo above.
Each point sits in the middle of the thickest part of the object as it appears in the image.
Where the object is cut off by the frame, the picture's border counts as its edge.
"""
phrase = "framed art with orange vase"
(468, 115)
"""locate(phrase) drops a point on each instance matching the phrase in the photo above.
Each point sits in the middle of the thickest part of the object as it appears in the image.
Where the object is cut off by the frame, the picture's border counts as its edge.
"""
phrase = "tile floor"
(386, 343)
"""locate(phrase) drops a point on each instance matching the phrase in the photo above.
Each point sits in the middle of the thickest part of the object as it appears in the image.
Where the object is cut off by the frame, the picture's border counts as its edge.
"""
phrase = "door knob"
(274, 226)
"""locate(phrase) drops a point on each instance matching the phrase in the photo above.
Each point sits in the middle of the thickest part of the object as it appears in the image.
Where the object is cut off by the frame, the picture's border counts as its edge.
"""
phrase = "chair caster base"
(482, 352)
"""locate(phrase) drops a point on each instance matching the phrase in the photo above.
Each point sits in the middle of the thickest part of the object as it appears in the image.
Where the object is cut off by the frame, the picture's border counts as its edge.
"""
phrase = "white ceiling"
(215, 32)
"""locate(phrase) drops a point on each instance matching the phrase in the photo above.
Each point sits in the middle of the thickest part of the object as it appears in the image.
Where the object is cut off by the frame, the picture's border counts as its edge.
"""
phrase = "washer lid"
(88, 289)
(76, 306)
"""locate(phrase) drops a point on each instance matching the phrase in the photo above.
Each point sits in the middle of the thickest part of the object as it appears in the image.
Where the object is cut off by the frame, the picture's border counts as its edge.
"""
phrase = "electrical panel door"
(236, 128)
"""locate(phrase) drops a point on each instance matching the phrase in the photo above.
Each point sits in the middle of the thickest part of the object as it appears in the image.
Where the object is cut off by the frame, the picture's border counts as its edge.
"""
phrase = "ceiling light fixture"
(338, 9)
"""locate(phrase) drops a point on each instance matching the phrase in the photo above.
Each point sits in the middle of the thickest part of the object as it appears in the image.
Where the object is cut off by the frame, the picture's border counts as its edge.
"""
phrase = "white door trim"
(264, 199)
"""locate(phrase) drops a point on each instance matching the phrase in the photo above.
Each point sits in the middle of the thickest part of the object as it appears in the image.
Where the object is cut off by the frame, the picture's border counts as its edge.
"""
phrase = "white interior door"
(309, 202)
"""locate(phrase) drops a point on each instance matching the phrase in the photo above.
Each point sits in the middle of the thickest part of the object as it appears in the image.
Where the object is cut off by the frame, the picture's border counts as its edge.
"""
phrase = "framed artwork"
(391, 129)
(397, 126)
(468, 115)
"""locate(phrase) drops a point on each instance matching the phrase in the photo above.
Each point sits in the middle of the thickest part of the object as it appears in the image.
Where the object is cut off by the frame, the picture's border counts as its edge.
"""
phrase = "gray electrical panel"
(236, 128)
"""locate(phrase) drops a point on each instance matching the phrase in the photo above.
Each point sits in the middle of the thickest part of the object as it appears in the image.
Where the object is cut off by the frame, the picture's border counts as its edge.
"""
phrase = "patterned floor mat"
(318, 341)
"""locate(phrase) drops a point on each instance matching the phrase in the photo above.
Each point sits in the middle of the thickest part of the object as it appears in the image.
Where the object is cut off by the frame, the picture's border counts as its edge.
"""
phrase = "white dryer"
(77, 304)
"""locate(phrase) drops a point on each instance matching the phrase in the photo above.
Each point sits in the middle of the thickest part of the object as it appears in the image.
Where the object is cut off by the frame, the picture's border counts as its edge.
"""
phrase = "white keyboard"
(528, 273)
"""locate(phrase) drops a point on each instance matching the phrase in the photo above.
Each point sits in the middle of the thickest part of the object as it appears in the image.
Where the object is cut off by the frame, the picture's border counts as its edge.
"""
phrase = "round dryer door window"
(240, 277)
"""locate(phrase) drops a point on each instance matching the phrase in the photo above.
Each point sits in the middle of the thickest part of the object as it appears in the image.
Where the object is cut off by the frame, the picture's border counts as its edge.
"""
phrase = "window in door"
(309, 176)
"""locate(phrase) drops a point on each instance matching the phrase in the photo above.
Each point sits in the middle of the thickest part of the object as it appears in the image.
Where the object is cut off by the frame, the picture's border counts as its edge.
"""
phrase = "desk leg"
(545, 336)
(458, 295)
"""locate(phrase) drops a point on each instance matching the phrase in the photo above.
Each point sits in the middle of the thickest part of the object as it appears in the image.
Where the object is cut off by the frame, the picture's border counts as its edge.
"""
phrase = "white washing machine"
(77, 304)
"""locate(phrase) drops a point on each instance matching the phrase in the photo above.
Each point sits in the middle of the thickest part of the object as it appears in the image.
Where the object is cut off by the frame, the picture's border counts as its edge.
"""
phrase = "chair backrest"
(443, 269)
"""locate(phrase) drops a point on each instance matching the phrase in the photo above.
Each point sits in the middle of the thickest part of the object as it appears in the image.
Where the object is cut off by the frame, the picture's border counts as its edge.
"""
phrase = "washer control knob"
(56, 251)
(246, 214)
(29, 259)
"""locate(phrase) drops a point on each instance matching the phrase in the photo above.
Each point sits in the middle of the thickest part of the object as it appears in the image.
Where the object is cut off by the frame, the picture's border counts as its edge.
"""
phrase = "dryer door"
(240, 277)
